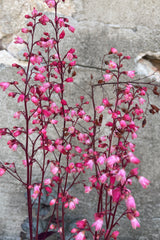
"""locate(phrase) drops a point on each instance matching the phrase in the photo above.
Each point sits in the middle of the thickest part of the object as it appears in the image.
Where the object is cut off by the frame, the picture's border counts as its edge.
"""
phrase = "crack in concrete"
(90, 67)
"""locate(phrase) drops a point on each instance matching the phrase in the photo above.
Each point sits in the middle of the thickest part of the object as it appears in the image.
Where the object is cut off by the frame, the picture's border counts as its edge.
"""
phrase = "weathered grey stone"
(7, 59)
(148, 64)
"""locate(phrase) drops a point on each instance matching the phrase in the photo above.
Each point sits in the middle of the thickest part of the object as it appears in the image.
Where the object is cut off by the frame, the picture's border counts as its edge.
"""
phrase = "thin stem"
(29, 166)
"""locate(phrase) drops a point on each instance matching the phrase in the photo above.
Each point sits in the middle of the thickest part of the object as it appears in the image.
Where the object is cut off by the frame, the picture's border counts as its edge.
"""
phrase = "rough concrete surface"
(133, 27)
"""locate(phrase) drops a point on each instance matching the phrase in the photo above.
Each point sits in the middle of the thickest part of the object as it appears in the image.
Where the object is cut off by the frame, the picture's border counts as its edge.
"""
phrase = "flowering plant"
(68, 141)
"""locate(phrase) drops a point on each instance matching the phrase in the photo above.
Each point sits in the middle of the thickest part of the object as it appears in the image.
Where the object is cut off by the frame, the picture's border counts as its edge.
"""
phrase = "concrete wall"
(132, 27)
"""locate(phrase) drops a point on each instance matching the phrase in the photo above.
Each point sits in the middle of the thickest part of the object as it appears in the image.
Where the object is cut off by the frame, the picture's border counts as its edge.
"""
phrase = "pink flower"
(17, 115)
(116, 194)
(68, 147)
(134, 223)
(136, 213)
(134, 135)
(74, 230)
(112, 160)
(34, 12)
(73, 63)
(48, 189)
(127, 57)
(115, 234)
(133, 158)
(42, 70)
(72, 205)
(12, 94)
(130, 74)
(86, 118)
(21, 72)
(24, 30)
(47, 181)
(78, 149)
(60, 148)
(121, 176)
(71, 129)
(36, 191)
(2, 171)
(113, 50)
(39, 77)
(54, 169)
(44, 19)
(24, 162)
(114, 115)
(34, 100)
(81, 224)
(143, 92)
(112, 64)
(21, 98)
(109, 124)
(62, 34)
(130, 202)
(51, 148)
(106, 102)
(70, 79)
(89, 164)
(103, 178)
(80, 236)
(76, 200)
(103, 138)
(17, 133)
(36, 59)
(72, 50)
(61, 22)
(45, 112)
(92, 179)
(4, 85)
(53, 121)
(127, 117)
(52, 226)
(69, 56)
(132, 146)
(30, 131)
(52, 202)
(72, 29)
(14, 147)
(141, 100)
(143, 181)
(19, 40)
(107, 77)
(47, 44)
(71, 166)
(98, 224)
(128, 88)
(100, 109)
(134, 172)
(123, 124)
(50, 3)
(87, 189)
(81, 113)
(101, 159)
(63, 102)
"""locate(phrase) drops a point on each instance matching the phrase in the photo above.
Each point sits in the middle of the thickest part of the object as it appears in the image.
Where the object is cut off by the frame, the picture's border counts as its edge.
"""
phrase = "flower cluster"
(71, 140)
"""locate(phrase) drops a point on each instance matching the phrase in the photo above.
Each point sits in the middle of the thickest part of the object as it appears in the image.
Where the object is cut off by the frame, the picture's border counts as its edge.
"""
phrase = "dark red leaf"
(101, 118)
(144, 122)
(100, 81)
(155, 108)
(155, 90)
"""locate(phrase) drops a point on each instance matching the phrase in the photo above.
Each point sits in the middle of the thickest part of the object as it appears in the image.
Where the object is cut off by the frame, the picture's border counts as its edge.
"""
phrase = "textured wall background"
(132, 27)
